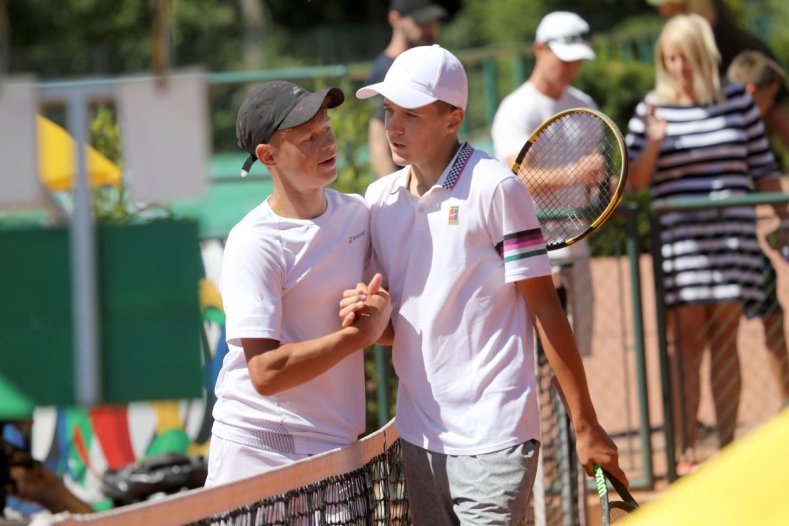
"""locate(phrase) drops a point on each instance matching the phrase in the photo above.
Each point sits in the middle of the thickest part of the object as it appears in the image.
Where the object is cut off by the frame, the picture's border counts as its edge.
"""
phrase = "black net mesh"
(373, 494)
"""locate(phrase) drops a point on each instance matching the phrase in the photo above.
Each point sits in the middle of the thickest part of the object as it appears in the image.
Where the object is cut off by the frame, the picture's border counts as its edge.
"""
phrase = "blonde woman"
(692, 138)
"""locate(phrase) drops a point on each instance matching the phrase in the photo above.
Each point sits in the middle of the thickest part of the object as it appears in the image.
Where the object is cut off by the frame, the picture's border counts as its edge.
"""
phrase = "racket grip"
(599, 478)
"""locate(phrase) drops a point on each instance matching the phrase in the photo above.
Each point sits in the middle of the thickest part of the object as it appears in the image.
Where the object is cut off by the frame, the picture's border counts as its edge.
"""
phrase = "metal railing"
(755, 376)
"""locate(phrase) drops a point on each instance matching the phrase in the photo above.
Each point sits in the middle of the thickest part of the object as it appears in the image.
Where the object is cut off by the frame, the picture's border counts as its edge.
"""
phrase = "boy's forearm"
(387, 338)
(560, 348)
(293, 364)
(568, 368)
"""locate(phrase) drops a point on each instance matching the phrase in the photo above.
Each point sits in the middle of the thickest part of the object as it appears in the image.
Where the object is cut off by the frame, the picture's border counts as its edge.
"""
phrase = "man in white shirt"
(560, 47)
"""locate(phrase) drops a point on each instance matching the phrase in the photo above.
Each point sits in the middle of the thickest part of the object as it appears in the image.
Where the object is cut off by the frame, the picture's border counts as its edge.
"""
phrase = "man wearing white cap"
(560, 47)
(456, 235)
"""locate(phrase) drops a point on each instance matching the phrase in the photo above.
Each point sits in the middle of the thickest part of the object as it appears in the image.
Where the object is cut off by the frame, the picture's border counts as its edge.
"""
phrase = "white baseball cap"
(566, 34)
(421, 76)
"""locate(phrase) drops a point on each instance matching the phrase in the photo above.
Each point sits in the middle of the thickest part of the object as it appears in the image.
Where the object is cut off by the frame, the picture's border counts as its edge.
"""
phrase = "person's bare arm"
(387, 337)
(592, 442)
(773, 184)
(274, 367)
(639, 172)
(380, 154)
(778, 119)
(779, 237)
(587, 170)
(354, 301)
(39, 484)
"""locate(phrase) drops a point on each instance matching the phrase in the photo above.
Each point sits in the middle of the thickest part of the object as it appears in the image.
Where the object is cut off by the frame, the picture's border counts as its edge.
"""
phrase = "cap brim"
(308, 107)
(403, 96)
(428, 13)
(572, 52)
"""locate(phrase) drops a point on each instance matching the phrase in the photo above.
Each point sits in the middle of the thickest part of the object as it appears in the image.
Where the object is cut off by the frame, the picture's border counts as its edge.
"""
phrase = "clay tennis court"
(612, 372)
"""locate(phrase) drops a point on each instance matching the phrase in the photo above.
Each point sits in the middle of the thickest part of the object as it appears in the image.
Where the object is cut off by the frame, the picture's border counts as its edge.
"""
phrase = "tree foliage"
(513, 22)
(81, 37)
(84, 37)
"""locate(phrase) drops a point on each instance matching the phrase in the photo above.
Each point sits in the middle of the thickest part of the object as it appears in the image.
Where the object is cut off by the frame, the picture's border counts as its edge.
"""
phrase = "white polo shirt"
(282, 279)
(463, 337)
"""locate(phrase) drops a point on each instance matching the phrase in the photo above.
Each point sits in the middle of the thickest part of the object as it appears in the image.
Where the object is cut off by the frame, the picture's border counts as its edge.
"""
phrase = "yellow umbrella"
(745, 484)
(57, 165)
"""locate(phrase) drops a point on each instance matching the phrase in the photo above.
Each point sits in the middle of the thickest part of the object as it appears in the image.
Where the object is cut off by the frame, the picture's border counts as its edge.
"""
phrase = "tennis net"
(361, 484)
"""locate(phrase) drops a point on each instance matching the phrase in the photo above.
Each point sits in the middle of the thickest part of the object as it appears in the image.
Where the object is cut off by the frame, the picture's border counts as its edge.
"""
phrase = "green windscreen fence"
(229, 197)
(149, 317)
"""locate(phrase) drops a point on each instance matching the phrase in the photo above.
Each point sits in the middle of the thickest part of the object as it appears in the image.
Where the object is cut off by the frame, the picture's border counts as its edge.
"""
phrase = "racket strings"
(618, 510)
(573, 170)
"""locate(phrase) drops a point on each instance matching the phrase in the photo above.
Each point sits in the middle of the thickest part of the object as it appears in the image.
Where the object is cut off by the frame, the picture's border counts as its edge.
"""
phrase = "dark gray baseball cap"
(277, 105)
(420, 10)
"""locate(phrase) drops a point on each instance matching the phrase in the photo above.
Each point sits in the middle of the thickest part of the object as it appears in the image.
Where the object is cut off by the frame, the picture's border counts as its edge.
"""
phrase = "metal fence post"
(87, 362)
(491, 98)
(633, 256)
(382, 389)
(665, 363)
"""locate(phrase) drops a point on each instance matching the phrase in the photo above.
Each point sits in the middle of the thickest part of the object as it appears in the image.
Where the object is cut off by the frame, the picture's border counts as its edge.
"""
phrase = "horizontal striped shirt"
(711, 151)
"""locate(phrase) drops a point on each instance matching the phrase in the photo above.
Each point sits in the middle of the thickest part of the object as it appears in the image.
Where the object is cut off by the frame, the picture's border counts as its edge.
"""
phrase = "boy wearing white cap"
(560, 47)
(414, 23)
(455, 233)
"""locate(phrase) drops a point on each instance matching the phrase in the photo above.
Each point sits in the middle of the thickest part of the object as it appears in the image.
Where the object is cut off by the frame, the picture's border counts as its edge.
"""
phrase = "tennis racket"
(575, 166)
(613, 510)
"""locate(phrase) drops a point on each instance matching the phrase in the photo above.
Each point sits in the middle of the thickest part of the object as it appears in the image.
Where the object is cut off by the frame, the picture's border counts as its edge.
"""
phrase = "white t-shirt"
(519, 114)
(463, 347)
(282, 279)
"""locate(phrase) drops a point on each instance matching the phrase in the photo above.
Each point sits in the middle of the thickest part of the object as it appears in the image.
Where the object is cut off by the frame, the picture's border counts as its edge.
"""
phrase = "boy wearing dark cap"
(292, 384)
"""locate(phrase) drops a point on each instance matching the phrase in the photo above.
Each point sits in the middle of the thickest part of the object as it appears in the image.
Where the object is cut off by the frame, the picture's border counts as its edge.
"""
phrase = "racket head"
(618, 510)
(575, 166)
(613, 511)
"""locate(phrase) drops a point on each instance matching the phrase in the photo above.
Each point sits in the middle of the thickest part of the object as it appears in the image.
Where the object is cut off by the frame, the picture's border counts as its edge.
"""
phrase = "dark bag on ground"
(154, 476)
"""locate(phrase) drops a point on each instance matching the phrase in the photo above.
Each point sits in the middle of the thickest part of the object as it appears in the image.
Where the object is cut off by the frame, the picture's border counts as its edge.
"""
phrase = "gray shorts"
(489, 489)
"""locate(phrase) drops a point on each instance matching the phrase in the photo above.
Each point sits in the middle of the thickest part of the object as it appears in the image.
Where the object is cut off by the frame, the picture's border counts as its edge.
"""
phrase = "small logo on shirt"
(355, 237)
(454, 215)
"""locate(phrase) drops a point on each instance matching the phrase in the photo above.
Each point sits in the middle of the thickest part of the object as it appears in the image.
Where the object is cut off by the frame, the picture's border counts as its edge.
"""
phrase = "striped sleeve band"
(521, 245)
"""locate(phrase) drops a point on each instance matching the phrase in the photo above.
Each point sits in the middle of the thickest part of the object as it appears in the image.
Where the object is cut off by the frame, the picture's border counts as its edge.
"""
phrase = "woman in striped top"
(692, 138)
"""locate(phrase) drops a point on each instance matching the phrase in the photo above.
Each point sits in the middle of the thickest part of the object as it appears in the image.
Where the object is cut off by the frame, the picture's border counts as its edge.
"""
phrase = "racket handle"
(599, 478)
